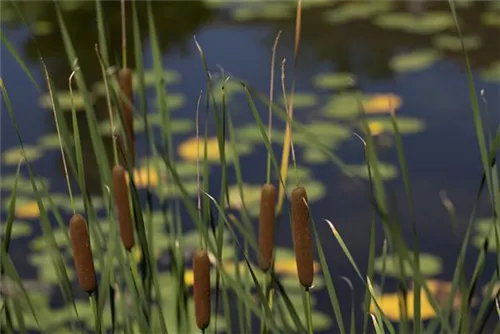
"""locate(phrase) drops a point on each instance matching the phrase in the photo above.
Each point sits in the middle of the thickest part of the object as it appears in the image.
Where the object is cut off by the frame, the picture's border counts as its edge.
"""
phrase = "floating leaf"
(333, 80)
(266, 11)
(12, 156)
(24, 185)
(173, 101)
(49, 141)
(414, 61)
(42, 28)
(356, 11)
(406, 125)
(302, 100)
(430, 265)
(387, 171)
(252, 133)
(485, 232)
(192, 148)
(454, 43)
(381, 103)
(429, 23)
(177, 125)
(492, 73)
(231, 88)
(27, 210)
(490, 18)
(64, 99)
(313, 156)
(343, 106)
(19, 229)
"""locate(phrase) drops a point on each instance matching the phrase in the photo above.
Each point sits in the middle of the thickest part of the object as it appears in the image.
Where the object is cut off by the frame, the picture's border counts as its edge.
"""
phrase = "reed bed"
(129, 295)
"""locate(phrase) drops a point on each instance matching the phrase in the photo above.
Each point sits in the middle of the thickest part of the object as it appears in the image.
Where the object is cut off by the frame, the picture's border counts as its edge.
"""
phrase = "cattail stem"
(121, 196)
(97, 319)
(302, 236)
(201, 288)
(309, 311)
(82, 254)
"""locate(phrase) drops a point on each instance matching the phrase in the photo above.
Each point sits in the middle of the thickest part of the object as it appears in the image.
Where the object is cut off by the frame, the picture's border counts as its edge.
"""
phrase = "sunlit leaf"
(19, 229)
(42, 28)
(430, 265)
(406, 125)
(490, 18)
(414, 61)
(492, 73)
(387, 171)
(430, 22)
(454, 43)
(193, 149)
(302, 100)
(12, 156)
(356, 11)
(64, 99)
(333, 80)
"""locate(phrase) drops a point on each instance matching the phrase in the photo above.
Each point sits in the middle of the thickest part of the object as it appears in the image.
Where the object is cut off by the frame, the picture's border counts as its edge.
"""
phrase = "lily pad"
(231, 88)
(252, 133)
(301, 100)
(42, 28)
(64, 100)
(492, 73)
(314, 156)
(414, 61)
(490, 18)
(356, 11)
(387, 171)
(343, 106)
(266, 11)
(19, 229)
(453, 43)
(12, 156)
(406, 125)
(485, 232)
(430, 265)
(429, 23)
(177, 125)
(334, 80)
(193, 149)
(24, 185)
(173, 101)
(49, 141)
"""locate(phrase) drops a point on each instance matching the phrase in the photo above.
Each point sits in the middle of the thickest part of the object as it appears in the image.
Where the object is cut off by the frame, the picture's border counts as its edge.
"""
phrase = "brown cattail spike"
(201, 288)
(82, 253)
(266, 225)
(125, 80)
(121, 197)
(302, 236)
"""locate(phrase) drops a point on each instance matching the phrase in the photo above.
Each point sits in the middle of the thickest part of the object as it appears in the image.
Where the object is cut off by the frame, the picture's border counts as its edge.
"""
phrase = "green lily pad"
(173, 101)
(266, 11)
(177, 125)
(302, 100)
(45, 267)
(70, 5)
(252, 133)
(387, 171)
(315, 156)
(492, 73)
(324, 131)
(343, 106)
(49, 141)
(42, 28)
(19, 229)
(24, 185)
(12, 156)
(333, 80)
(251, 196)
(316, 3)
(64, 100)
(414, 61)
(490, 18)
(406, 125)
(315, 189)
(485, 232)
(430, 265)
(429, 23)
(453, 43)
(356, 11)
(231, 88)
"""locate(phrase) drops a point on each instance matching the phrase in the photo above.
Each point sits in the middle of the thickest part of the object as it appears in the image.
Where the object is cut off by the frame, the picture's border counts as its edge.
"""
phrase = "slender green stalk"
(309, 311)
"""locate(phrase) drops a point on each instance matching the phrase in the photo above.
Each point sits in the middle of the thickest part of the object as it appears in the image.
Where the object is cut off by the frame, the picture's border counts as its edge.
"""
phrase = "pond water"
(402, 51)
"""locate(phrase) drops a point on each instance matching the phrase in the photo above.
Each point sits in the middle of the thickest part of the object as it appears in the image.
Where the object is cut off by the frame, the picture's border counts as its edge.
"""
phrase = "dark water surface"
(442, 157)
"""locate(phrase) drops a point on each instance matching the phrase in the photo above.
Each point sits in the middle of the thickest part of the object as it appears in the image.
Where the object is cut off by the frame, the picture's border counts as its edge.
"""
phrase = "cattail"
(302, 236)
(266, 225)
(201, 288)
(82, 253)
(122, 206)
(125, 80)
